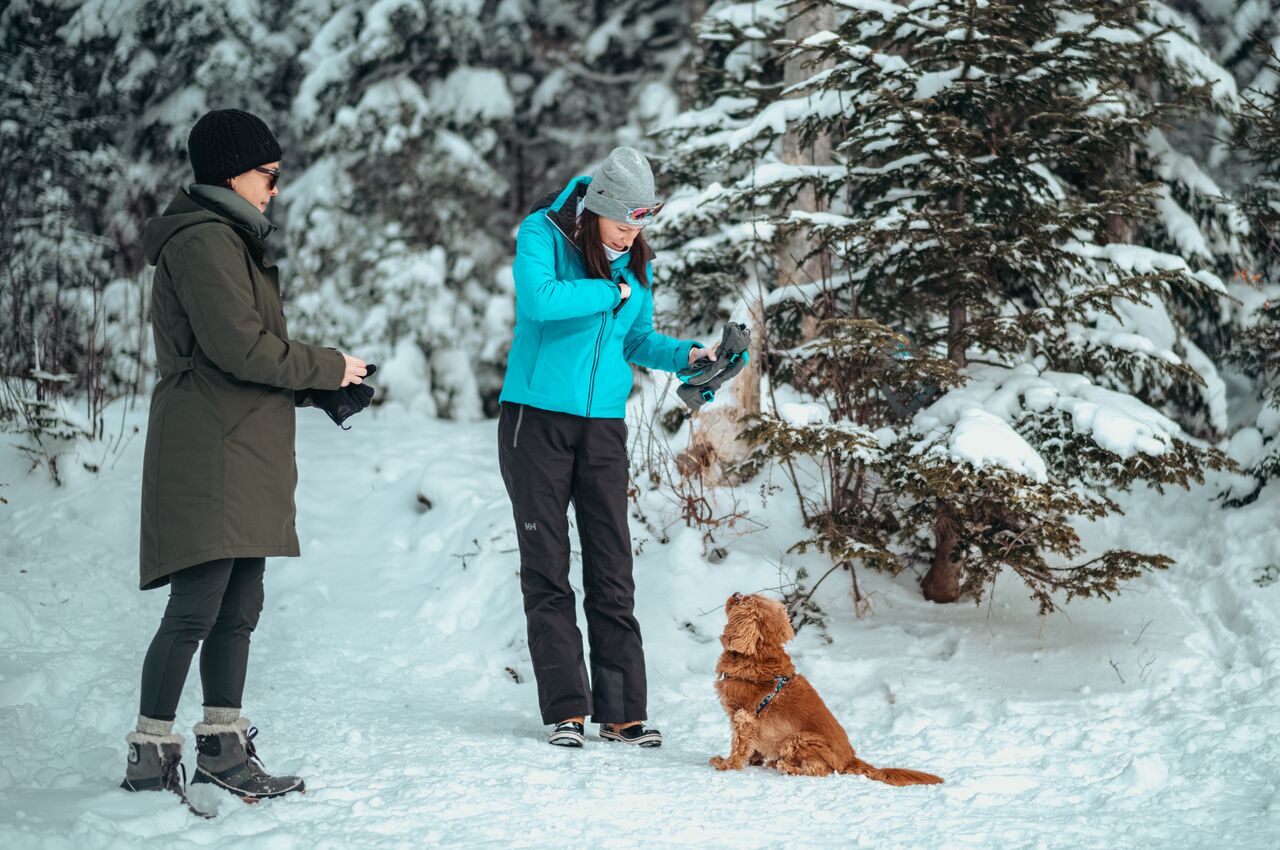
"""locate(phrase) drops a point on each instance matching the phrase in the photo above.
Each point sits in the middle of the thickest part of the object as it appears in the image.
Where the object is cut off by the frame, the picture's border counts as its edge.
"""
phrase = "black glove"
(701, 379)
(343, 403)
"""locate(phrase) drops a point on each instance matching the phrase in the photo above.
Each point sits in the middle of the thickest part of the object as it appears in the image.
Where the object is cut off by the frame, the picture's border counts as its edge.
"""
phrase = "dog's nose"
(736, 598)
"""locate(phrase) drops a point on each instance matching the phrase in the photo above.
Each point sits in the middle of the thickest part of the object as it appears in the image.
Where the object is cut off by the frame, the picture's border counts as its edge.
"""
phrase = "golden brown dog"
(778, 718)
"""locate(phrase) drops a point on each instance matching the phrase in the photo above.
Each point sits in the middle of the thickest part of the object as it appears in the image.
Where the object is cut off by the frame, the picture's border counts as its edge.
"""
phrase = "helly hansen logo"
(530, 526)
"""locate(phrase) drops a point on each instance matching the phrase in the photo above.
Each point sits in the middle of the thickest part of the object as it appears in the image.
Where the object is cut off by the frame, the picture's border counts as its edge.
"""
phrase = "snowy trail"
(380, 674)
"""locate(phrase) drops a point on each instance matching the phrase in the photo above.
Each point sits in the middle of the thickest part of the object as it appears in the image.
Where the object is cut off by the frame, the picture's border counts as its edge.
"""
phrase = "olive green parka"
(219, 471)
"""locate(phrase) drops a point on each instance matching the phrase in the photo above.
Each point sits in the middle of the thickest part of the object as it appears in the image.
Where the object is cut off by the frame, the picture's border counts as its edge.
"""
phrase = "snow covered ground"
(380, 673)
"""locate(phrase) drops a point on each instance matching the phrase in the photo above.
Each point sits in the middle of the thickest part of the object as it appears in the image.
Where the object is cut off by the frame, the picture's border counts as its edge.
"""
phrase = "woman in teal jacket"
(584, 311)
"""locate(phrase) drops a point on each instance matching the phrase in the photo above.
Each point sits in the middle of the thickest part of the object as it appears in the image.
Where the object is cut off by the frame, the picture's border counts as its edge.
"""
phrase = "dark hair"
(587, 235)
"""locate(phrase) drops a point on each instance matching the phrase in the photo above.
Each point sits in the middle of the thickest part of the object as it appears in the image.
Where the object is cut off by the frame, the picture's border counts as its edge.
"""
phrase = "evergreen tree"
(392, 249)
(56, 168)
(1234, 30)
(985, 336)
(720, 251)
(1256, 346)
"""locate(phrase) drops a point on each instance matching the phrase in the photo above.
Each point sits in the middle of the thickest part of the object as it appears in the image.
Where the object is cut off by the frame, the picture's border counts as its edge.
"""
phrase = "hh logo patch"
(530, 526)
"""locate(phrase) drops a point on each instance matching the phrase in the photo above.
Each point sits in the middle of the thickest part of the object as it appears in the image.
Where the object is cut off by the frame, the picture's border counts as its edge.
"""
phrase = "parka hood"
(183, 212)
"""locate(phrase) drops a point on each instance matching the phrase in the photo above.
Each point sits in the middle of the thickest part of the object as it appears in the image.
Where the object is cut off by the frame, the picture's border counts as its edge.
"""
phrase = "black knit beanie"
(227, 142)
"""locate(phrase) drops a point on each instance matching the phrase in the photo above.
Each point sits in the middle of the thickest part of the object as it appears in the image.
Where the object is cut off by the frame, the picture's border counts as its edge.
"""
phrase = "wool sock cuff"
(152, 726)
(220, 716)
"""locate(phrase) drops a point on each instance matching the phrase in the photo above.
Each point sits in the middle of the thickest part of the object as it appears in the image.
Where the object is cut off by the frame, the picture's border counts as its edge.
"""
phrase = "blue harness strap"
(779, 683)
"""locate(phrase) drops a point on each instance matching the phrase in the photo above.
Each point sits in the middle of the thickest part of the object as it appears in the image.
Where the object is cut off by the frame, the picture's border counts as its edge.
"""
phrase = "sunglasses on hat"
(638, 215)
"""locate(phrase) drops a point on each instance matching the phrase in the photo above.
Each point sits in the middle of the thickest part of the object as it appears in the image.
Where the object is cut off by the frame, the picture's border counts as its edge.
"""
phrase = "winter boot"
(155, 764)
(227, 758)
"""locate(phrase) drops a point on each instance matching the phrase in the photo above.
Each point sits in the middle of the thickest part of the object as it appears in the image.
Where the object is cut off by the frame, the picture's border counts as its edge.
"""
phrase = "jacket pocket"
(241, 408)
(515, 434)
(563, 362)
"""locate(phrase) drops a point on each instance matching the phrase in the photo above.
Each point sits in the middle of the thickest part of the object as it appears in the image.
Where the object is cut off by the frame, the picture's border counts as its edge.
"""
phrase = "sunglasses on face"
(273, 175)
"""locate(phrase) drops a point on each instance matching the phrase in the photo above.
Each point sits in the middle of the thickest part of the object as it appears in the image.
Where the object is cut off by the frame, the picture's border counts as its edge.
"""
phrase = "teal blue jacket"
(571, 349)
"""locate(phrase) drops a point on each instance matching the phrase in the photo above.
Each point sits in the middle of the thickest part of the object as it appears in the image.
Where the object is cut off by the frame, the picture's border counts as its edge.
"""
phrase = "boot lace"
(252, 759)
(173, 776)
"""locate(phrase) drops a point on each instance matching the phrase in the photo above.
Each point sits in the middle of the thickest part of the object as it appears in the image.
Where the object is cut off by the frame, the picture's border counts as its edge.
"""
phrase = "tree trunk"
(942, 582)
(716, 445)
(791, 270)
(688, 73)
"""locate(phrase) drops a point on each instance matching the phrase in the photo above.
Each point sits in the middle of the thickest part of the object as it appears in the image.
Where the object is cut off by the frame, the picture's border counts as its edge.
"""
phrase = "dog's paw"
(719, 762)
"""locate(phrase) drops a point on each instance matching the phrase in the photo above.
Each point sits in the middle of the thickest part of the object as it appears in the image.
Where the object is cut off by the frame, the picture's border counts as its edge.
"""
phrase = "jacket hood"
(184, 212)
(567, 206)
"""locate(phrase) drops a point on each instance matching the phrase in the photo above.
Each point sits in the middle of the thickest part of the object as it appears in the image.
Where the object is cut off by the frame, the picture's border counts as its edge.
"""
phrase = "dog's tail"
(899, 776)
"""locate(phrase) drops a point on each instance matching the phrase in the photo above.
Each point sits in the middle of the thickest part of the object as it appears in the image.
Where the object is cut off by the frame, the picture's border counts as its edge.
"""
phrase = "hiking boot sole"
(648, 739)
(202, 778)
(567, 739)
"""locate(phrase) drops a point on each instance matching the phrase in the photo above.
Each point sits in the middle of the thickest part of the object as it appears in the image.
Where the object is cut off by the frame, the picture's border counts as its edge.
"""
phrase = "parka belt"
(180, 365)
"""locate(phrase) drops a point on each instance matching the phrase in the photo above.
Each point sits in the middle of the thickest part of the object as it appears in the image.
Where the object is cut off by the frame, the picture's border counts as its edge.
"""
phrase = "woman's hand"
(625, 289)
(355, 371)
(697, 353)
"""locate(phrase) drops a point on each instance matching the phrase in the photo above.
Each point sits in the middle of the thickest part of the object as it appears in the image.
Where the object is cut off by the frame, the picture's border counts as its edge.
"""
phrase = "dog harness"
(779, 683)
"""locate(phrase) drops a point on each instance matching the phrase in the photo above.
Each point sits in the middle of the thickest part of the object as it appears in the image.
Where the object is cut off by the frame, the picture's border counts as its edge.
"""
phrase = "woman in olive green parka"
(219, 470)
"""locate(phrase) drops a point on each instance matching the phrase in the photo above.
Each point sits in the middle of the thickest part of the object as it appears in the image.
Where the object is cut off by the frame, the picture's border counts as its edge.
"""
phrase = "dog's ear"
(775, 623)
(742, 632)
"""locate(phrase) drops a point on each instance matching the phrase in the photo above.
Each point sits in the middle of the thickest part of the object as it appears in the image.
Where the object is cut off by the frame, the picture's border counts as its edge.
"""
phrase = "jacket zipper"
(515, 436)
(591, 391)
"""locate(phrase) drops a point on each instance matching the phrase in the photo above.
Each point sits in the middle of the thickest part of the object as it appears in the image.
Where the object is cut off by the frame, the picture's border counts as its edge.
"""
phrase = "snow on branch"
(976, 423)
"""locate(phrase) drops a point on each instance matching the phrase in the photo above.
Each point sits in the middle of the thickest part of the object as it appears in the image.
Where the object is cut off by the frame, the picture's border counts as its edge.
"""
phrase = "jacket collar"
(568, 205)
(232, 206)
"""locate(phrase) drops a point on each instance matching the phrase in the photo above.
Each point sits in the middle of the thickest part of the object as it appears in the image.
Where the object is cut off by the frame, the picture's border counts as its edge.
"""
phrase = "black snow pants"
(216, 602)
(548, 460)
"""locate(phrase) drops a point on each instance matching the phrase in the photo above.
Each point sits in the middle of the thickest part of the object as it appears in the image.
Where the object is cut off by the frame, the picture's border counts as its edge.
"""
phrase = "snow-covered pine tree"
(1234, 30)
(978, 211)
(126, 80)
(1256, 345)
(588, 76)
(1195, 217)
(721, 256)
(57, 167)
(718, 248)
(396, 118)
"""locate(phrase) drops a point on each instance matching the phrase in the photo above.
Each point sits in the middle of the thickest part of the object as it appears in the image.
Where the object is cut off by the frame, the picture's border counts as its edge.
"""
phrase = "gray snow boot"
(227, 758)
(155, 764)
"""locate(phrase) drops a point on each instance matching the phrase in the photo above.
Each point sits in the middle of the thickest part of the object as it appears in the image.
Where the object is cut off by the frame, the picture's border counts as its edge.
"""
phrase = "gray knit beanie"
(623, 183)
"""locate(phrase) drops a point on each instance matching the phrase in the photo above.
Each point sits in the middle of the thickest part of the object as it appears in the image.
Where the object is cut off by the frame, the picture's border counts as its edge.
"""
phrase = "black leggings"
(217, 602)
